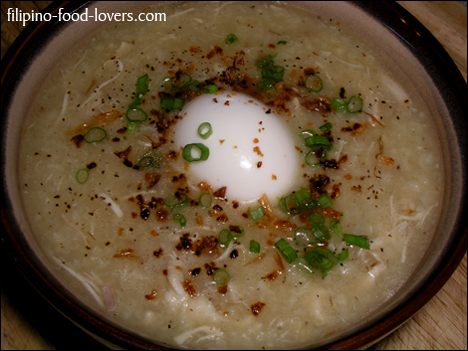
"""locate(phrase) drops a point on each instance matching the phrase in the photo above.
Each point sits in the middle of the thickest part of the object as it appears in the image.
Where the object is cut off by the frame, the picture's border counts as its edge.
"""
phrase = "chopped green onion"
(320, 259)
(286, 250)
(311, 159)
(324, 201)
(356, 240)
(95, 135)
(142, 86)
(193, 85)
(178, 218)
(256, 214)
(236, 231)
(205, 130)
(282, 42)
(316, 218)
(254, 247)
(301, 195)
(343, 255)
(326, 127)
(335, 228)
(136, 115)
(205, 200)
(231, 39)
(133, 127)
(271, 92)
(170, 104)
(151, 158)
(177, 202)
(308, 205)
(338, 103)
(304, 237)
(302, 264)
(202, 150)
(313, 83)
(273, 72)
(211, 89)
(266, 61)
(317, 142)
(167, 83)
(354, 104)
(290, 205)
(221, 277)
(181, 80)
(82, 176)
(224, 237)
(320, 231)
(267, 83)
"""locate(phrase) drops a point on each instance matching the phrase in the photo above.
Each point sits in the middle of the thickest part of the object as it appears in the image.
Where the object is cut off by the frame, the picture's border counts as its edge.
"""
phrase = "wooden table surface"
(29, 322)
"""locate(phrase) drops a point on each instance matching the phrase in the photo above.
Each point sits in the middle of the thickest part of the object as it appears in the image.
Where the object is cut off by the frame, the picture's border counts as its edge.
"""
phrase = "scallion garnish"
(302, 195)
(177, 201)
(316, 218)
(312, 160)
(266, 61)
(181, 80)
(356, 240)
(282, 42)
(286, 250)
(210, 89)
(354, 104)
(231, 39)
(195, 152)
(205, 200)
(82, 176)
(267, 83)
(221, 277)
(290, 205)
(304, 237)
(313, 83)
(320, 231)
(273, 72)
(136, 115)
(317, 142)
(324, 201)
(335, 228)
(178, 218)
(152, 158)
(205, 130)
(142, 86)
(326, 127)
(170, 104)
(256, 214)
(95, 135)
(224, 237)
(338, 104)
(254, 247)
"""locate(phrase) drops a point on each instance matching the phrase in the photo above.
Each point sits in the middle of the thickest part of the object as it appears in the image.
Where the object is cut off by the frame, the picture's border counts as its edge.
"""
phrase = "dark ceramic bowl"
(415, 53)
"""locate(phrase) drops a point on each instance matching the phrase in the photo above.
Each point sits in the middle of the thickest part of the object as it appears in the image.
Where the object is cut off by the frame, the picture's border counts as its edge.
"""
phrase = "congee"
(240, 175)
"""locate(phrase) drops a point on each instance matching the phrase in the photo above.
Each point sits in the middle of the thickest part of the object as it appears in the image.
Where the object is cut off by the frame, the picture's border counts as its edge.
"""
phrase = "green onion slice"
(326, 127)
(167, 83)
(95, 135)
(286, 250)
(177, 201)
(170, 104)
(142, 86)
(338, 103)
(354, 104)
(282, 42)
(316, 218)
(312, 160)
(320, 231)
(205, 200)
(152, 158)
(343, 255)
(290, 205)
(254, 247)
(256, 214)
(267, 83)
(236, 232)
(231, 39)
(356, 240)
(205, 130)
(181, 80)
(136, 114)
(266, 61)
(324, 201)
(317, 142)
(335, 228)
(313, 83)
(133, 127)
(195, 152)
(302, 195)
(210, 89)
(82, 176)
(304, 237)
(178, 218)
(221, 277)
(224, 237)
(275, 73)
(271, 92)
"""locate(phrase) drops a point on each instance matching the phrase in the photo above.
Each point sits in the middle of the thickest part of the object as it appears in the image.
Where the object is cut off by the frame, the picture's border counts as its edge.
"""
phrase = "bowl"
(420, 56)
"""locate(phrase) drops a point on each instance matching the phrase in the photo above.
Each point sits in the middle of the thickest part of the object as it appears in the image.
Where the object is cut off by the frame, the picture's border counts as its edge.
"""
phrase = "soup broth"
(136, 234)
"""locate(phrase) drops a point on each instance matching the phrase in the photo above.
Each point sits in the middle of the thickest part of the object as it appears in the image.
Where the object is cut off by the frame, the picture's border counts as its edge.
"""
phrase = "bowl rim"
(394, 17)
